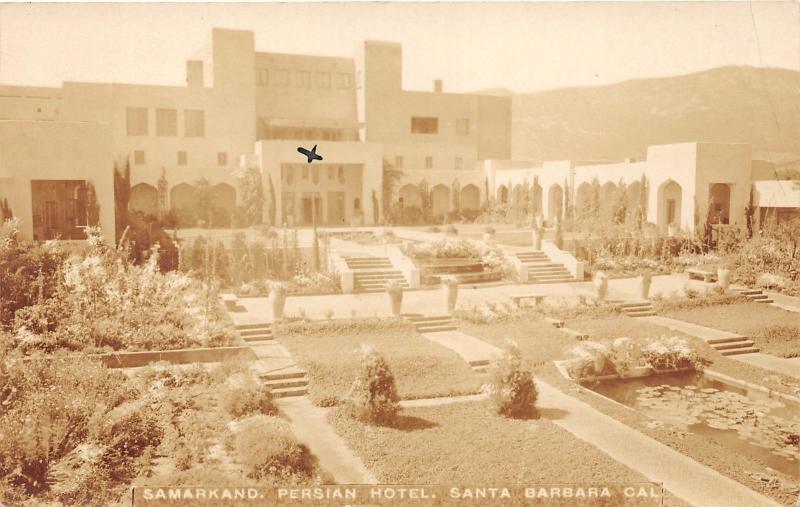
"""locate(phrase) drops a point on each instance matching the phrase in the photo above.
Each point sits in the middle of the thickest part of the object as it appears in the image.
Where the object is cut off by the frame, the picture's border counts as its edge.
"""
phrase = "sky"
(471, 46)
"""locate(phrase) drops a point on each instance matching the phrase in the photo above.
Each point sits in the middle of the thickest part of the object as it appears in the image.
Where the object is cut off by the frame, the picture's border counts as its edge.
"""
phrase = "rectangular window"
(344, 81)
(462, 126)
(137, 121)
(305, 172)
(303, 79)
(182, 158)
(262, 77)
(288, 174)
(166, 122)
(341, 174)
(323, 79)
(222, 159)
(280, 77)
(428, 162)
(194, 123)
(331, 173)
(421, 125)
(138, 157)
(315, 174)
(459, 163)
(398, 162)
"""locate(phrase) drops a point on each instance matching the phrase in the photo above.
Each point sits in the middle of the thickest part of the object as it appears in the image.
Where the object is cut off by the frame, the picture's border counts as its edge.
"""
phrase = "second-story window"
(303, 79)
(459, 163)
(344, 81)
(323, 79)
(462, 126)
(194, 123)
(424, 125)
(138, 157)
(262, 77)
(182, 158)
(428, 162)
(136, 119)
(222, 159)
(166, 122)
(280, 77)
(398, 162)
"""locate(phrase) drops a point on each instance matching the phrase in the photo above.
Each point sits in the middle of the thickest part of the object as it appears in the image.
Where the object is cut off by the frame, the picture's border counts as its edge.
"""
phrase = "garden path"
(789, 303)
(781, 365)
(471, 349)
(310, 426)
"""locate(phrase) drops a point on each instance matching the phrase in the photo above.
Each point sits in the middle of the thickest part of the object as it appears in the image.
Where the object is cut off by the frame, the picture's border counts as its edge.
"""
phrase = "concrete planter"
(278, 298)
(644, 286)
(600, 283)
(724, 278)
(395, 293)
(539, 222)
(450, 292)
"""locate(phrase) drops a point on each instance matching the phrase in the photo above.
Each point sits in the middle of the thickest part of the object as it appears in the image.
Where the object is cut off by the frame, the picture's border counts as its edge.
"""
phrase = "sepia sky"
(471, 46)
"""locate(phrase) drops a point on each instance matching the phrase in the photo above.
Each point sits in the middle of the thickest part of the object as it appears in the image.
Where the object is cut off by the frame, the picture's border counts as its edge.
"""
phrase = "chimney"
(437, 85)
(194, 73)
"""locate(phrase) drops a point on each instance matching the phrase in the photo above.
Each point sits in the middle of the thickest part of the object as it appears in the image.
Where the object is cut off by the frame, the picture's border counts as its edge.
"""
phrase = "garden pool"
(745, 420)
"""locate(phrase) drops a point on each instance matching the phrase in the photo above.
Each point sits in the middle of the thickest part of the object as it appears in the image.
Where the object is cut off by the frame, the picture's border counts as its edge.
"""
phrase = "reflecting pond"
(746, 420)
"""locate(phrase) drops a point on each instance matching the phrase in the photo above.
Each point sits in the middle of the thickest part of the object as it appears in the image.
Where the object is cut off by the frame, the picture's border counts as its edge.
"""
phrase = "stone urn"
(537, 238)
(539, 222)
(278, 296)
(600, 283)
(395, 293)
(450, 290)
(644, 286)
(724, 278)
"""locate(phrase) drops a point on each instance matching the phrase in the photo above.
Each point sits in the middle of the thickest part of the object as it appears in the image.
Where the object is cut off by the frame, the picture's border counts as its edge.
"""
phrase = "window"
(331, 173)
(462, 126)
(323, 79)
(428, 162)
(166, 122)
(137, 121)
(341, 174)
(182, 158)
(288, 172)
(222, 158)
(356, 204)
(262, 77)
(195, 123)
(138, 157)
(280, 77)
(315, 174)
(303, 79)
(305, 172)
(459, 163)
(398, 162)
(343, 81)
(671, 206)
(420, 125)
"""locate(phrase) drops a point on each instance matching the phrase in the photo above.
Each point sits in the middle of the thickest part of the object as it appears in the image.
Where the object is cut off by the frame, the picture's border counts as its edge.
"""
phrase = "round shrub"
(373, 396)
(266, 447)
(248, 399)
(513, 392)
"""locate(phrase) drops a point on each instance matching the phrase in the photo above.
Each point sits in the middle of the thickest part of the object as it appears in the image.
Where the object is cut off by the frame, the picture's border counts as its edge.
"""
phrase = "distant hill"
(726, 104)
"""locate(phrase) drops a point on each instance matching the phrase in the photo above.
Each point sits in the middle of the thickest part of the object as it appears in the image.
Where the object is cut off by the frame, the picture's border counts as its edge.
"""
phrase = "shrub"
(434, 228)
(667, 353)
(373, 396)
(267, 448)
(248, 399)
(451, 229)
(779, 340)
(513, 392)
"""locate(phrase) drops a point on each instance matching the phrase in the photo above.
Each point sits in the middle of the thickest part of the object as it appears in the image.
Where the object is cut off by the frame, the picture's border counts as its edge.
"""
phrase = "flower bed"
(302, 284)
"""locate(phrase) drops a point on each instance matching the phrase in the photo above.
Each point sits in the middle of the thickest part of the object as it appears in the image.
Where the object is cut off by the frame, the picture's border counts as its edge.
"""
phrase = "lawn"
(468, 444)
(422, 369)
(774, 331)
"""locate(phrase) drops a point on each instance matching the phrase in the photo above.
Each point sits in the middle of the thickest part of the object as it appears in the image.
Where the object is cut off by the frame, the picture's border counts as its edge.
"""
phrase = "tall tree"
(252, 195)
(203, 201)
(92, 206)
(122, 196)
(272, 210)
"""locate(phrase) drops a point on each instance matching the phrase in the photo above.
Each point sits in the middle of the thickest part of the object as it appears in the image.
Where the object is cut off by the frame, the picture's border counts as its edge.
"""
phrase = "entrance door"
(336, 208)
(309, 206)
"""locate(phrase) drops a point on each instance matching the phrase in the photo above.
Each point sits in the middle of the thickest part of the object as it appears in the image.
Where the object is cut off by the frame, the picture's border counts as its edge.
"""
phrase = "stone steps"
(578, 335)
(255, 334)
(480, 365)
(284, 384)
(755, 295)
(746, 350)
(637, 308)
(432, 323)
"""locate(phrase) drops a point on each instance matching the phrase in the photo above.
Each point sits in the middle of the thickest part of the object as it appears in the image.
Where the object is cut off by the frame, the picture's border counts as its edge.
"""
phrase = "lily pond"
(746, 420)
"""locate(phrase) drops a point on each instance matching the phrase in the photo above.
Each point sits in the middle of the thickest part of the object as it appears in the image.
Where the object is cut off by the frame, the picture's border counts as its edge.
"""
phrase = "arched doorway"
(583, 197)
(634, 198)
(670, 196)
(536, 197)
(555, 202)
(440, 201)
(144, 198)
(410, 196)
(470, 197)
(502, 194)
(223, 202)
(719, 196)
(181, 204)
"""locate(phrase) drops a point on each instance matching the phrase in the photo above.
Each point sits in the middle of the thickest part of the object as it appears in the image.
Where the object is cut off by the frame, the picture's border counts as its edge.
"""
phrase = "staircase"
(283, 384)
(431, 323)
(733, 346)
(542, 270)
(754, 295)
(637, 308)
(255, 334)
(371, 274)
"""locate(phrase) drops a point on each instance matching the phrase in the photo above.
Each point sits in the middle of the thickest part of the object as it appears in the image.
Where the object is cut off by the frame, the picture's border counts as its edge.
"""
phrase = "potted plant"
(450, 285)
(278, 296)
(600, 283)
(723, 277)
(395, 292)
(645, 279)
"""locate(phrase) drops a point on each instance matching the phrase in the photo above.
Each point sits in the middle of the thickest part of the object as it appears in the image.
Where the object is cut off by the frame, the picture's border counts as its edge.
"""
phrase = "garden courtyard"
(694, 398)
